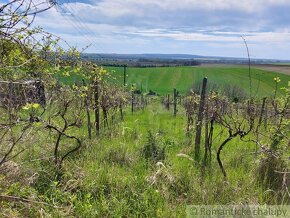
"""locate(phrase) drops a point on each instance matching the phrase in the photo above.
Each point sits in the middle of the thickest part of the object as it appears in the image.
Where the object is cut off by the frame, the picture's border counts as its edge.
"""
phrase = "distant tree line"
(144, 62)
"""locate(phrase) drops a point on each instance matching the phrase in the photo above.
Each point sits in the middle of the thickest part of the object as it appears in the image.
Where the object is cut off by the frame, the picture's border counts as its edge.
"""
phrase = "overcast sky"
(201, 27)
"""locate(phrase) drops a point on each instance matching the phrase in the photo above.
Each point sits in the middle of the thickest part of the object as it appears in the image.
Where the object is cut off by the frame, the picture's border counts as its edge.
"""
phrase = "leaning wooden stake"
(210, 137)
(199, 120)
(262, 112)
(266, 117)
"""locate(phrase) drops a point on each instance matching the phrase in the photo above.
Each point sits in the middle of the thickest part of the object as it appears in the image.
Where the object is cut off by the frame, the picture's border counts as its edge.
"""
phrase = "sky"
(199, 27)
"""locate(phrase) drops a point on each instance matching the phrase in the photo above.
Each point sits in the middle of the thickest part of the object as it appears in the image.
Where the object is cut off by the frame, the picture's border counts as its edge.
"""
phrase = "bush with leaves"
(274, 164)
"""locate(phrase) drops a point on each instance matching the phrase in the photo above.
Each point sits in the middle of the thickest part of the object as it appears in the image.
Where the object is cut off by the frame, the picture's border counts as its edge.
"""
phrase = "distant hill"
(129, 58)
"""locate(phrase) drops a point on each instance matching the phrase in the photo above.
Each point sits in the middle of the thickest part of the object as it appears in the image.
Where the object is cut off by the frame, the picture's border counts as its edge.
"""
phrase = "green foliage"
(273, 169)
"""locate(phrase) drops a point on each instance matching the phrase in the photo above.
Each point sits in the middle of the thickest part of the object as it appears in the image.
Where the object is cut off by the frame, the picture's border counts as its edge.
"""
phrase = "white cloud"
(96, 31)
(130, 26)
(121, 7)
(232, 14)
(217, 36)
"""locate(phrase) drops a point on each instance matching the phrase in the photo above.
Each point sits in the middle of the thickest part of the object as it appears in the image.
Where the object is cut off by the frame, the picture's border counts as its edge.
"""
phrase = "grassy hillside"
(163, 79)
(142, 166)
(111, 177)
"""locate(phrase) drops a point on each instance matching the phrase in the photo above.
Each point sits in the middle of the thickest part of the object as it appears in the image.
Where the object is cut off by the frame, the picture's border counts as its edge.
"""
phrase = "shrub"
(152, 151)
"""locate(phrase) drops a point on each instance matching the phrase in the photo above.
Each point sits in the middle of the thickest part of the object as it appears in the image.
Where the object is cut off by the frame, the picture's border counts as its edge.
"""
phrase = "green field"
(163, 79)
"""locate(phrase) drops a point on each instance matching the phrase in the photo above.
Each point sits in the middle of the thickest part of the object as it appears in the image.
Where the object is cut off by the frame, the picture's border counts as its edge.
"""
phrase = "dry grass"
(285, 69)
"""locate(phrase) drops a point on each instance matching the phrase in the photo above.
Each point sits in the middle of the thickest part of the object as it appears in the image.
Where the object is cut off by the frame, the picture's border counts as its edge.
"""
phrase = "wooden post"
(97, 106)
(105, 115)
(199, 120)
(132, 102)
(121, 111)
(266, 117)
(174, 102)
(125, 75)
(88, 113)
(168, 102)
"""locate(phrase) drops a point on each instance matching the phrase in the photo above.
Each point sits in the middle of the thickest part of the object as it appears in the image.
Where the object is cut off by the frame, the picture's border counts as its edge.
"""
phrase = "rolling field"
(163, 79)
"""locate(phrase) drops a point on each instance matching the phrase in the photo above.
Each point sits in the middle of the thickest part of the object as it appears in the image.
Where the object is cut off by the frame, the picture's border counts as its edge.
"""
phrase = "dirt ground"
(275, 68)
(285, 69)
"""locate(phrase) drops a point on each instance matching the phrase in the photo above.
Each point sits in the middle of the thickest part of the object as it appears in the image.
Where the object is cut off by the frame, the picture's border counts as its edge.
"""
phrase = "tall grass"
(111, 177)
